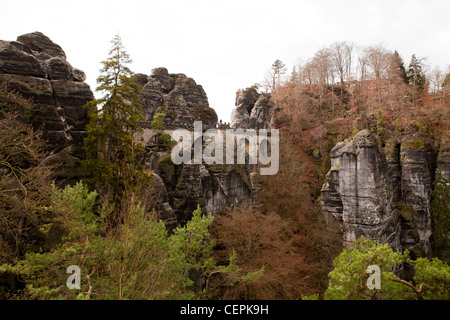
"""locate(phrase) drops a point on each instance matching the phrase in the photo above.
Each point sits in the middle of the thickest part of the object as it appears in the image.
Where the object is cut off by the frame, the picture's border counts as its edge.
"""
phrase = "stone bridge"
(148, 134)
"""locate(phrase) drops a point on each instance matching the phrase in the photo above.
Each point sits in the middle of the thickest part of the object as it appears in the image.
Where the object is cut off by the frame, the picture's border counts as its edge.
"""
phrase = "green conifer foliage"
(400, 67)
(137, 260)
(416, 77)
(111, 154)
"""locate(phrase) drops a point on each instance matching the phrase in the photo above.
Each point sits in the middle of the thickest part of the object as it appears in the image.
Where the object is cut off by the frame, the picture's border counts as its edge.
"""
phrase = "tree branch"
(418, 292)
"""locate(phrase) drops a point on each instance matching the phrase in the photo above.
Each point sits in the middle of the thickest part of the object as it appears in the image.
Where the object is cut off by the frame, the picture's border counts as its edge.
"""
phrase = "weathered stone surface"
(443, 160)
(354, 196)
(16, 61)
(252, 110)
(37, 68)
(382, 194)
(152, 98)
(41, 45)
(78, 75)
(38, 89)
(226, 186)
(331, 196)
(72, 96)
(176, 95)
(165, 80)
(240, 118)
(159, 200)
(68, 166)
(245, 101)
(141, 79)
(212, 187)
(260, 116)
(58, 68)
(247, 98)
(417, 167)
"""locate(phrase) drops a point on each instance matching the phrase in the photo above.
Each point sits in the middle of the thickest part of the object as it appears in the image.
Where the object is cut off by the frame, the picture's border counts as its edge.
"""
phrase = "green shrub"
(348, 280)
(137, 259)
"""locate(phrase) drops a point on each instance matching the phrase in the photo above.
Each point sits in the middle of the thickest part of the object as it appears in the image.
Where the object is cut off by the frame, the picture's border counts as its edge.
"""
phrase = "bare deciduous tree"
(341, 56)
(377, 62)
(436, 78)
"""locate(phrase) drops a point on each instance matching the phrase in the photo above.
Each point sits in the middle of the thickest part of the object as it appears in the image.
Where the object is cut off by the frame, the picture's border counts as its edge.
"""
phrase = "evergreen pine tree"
(415, 76)
(399, 67)
(111, 159)
(278, 69)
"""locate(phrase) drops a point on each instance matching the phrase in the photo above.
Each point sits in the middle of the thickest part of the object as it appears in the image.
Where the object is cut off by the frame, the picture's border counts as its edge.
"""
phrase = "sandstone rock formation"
(38, 69)
(382, 193)
(213, 187)
(177, 96)
(159, 200)
(354, 193)
(253, 110)
(443, 160)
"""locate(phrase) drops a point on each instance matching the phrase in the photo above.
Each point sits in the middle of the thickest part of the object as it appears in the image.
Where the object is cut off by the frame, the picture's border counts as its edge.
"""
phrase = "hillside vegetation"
(107, 225)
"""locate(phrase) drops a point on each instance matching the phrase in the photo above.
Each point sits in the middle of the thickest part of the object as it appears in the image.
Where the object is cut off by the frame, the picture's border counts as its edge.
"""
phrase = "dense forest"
(108, 224)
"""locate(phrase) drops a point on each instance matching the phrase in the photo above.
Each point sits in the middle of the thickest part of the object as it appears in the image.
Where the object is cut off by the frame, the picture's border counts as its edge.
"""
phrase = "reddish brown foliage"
(24, 183)
(289, 237)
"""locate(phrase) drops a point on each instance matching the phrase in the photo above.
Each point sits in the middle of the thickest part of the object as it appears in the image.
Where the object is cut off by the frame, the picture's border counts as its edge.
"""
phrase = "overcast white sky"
(228, 45)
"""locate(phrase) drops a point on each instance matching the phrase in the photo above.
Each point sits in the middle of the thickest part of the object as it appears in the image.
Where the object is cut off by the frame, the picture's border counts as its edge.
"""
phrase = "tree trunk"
(108, 156)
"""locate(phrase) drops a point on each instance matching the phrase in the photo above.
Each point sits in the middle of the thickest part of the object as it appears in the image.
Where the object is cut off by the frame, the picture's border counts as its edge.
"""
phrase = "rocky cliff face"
(253, 110)
(38, 69)
(443, 160)
(213, 187)
(176, 95)
(382, 193)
